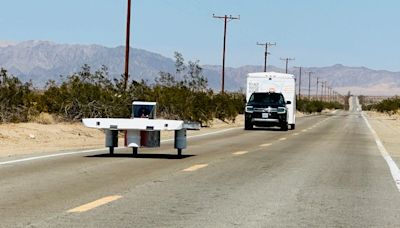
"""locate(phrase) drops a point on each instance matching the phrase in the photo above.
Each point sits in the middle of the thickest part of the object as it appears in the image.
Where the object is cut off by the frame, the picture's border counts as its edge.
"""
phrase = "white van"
(271, 82)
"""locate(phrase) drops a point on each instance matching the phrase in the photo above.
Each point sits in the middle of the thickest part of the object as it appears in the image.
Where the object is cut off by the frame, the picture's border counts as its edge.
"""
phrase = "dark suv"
(266, 110)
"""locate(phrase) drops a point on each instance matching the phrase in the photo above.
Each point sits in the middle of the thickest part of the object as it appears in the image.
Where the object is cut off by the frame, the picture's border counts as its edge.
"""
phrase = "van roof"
(270, 74)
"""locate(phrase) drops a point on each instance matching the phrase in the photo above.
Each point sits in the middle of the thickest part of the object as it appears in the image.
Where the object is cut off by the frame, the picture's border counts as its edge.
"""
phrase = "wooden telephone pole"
(226, 20)
(268, 44)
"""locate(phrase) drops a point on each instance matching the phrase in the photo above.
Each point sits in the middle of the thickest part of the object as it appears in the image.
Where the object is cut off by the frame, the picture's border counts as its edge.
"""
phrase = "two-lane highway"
(327, 172)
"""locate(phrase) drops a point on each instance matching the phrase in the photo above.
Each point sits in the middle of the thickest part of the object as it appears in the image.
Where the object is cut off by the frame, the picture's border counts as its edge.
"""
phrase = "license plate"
(265, 115)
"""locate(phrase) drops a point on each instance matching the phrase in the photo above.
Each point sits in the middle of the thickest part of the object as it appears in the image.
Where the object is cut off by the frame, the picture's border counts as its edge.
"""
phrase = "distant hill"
(40, 61)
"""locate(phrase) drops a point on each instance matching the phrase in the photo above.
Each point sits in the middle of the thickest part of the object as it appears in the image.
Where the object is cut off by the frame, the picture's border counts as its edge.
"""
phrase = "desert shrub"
(17, 100)
(389, 106)
(44, 118)
(307, 106)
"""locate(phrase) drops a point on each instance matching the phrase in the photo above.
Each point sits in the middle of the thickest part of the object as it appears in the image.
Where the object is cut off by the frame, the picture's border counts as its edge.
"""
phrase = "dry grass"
(44, 118)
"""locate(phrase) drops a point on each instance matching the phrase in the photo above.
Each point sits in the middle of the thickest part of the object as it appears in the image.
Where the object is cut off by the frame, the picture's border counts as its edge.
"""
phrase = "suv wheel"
(248, 125)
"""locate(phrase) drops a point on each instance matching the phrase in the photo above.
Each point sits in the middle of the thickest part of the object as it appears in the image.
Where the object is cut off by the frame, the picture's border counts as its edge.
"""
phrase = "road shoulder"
(388, 129)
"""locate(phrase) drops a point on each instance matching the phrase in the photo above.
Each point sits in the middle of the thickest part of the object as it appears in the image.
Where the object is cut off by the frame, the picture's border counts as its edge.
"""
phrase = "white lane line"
(266, 144)
(50, 156)
(394, 169)
(94, 204)
(282, 139)
(240, 152)
(195, 167)
(102, 149)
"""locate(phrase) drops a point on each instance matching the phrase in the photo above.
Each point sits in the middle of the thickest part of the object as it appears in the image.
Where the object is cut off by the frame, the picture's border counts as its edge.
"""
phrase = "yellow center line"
(94, 204)
(304, 130)
(281, 139)
(266, 144)
(240, 152)
(296, 134)
(195, 167)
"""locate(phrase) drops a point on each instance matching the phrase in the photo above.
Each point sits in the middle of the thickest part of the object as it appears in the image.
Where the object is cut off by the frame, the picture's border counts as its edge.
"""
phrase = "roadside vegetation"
(183, 94)
(313, 106)
(89, 94)
(389, 106)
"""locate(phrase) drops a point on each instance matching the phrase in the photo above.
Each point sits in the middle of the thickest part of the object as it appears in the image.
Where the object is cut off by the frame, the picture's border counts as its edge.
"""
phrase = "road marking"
(241, 152)
(304, 130)
(94, 204)
(282, 139)
(195, 167)
(394, 170)
(296, 134)
(266, 144)
(98, 150)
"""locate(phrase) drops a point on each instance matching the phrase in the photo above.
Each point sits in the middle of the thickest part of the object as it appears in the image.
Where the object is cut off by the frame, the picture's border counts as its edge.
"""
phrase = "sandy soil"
(388, 129)
(27, 138)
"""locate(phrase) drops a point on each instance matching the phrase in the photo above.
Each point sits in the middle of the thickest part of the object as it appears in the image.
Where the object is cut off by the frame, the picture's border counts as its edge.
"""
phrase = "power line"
(226, 20)
(267, 44)
(287, 61)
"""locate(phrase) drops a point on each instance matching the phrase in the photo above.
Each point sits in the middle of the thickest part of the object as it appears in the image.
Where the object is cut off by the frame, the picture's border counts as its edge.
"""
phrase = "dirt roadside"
(388, 129)
(31, 138)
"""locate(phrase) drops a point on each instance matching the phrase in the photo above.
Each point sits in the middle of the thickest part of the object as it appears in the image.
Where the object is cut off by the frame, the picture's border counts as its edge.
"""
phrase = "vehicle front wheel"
(248, 125)
(284, 127)
(292, 126)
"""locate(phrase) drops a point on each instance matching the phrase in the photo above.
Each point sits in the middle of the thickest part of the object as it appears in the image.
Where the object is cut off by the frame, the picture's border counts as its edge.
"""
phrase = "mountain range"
(40, 61)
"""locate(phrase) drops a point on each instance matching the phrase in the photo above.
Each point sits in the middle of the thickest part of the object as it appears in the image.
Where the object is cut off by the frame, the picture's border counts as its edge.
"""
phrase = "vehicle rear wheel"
(292, 126)
(134, 151)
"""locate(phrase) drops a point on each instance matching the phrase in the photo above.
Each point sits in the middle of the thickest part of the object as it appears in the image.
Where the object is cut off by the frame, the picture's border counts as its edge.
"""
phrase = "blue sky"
(315, 32)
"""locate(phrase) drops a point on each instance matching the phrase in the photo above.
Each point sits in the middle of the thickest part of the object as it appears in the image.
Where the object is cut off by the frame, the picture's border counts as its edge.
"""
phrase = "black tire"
(248, 125)
(179, 152)
(292, 126)
(134, 151)
(111, 149)
(284, 127)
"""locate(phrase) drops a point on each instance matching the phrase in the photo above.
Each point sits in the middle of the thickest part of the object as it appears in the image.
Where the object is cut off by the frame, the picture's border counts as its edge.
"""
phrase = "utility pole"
(329, 94)
(128, 31)
(287, 61)
(267, 44)
(309, 84)
(299, 81)
(317, 89)
(326, 91)
(226, 20)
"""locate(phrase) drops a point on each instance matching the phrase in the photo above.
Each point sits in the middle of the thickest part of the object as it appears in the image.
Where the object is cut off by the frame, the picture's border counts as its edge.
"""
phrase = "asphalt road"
(326, 173)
